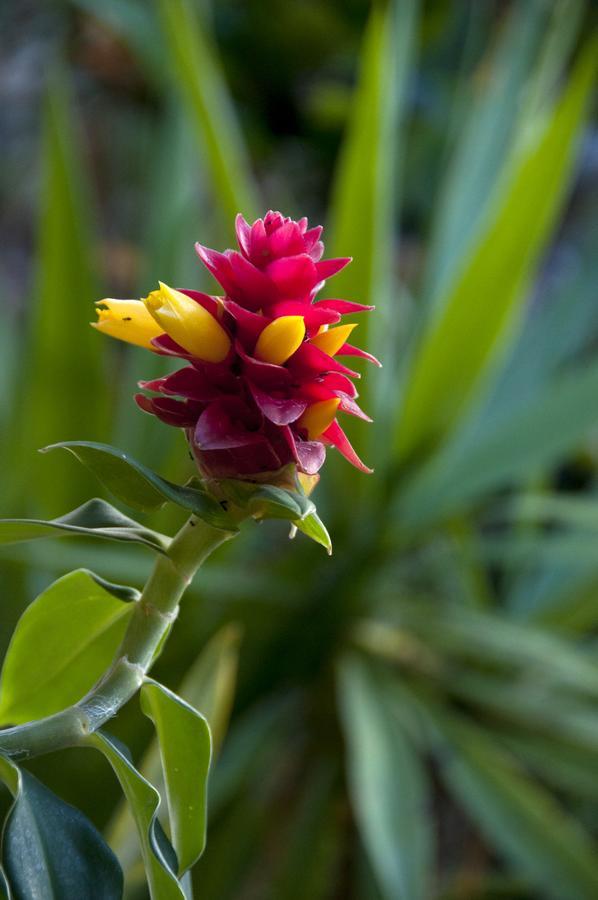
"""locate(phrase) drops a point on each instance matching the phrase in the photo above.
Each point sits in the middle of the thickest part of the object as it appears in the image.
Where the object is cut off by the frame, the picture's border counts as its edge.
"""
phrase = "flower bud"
(318, 417)
(127, 320)
(331, 340)
(189, 324)
(279, 340)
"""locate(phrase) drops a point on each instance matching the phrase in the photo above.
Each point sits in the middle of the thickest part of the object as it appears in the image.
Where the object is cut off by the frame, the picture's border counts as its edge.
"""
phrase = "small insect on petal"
(331, 340)
(189, 324)
(318, 417)
(280, 339)
(127, 320)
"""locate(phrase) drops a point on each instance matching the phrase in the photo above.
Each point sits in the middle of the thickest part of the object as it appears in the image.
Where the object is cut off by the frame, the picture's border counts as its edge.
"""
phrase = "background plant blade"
(200, 80)
(387, 786)
(488, 292)
(60, 341)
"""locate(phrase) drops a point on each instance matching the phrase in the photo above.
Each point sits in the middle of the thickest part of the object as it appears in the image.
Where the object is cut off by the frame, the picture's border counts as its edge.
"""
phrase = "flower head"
(263, 384)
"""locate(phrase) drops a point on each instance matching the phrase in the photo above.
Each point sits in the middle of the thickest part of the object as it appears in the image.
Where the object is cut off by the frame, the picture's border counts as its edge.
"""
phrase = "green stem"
(150, 623)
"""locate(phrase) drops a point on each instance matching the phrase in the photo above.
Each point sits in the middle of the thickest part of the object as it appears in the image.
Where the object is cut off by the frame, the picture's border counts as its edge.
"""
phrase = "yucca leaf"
(459, 349)
(533, 434)
(491, 109)
(519, 817)
(198, 77)
(366, 187)
(387, 785)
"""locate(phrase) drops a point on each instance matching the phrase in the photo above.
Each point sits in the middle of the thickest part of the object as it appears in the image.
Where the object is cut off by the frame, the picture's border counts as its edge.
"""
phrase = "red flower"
(263, 384)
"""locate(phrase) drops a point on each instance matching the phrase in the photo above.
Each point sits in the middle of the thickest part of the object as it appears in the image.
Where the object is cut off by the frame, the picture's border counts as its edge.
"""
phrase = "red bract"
(273, 399)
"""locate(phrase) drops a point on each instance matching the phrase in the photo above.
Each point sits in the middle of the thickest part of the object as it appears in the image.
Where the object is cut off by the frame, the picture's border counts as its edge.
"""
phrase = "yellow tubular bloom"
(279, 340)
(318, 417)
(332, 340)
(127, 320)
(188, 323)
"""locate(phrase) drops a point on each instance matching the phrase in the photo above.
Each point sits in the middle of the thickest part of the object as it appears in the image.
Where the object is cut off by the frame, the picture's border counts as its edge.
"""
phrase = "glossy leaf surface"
(387, 784)
(139, 486)
(96, 518)
(64, 641)
(50, 850)
(144, 801)
(185, 750)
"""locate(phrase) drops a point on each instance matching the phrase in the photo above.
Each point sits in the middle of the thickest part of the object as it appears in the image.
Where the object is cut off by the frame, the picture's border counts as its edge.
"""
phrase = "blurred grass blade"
(64, 393)
(518, 816)
(387, 784)
(310, 866)
(198, 76)
(541, 707)
(483, 143)
(566, 17)
(365, 191)
(563, 765)
(552, 336)
(482, 638)
(528, 438)
(457, 351)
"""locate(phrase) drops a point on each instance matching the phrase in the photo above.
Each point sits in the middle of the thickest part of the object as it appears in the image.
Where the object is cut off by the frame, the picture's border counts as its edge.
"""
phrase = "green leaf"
(96, 518)
(144, 801)
(269, 502)
(121, 591)
(518, 816)
(198, 76)
(387, 784)
(138, 486)
(209, 687)
(50, 849)
(314, 528)
(63, 642)
(185, 750)
(488, 292)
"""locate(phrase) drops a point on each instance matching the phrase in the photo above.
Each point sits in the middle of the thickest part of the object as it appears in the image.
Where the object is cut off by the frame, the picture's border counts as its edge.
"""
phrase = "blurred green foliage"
(416, 717)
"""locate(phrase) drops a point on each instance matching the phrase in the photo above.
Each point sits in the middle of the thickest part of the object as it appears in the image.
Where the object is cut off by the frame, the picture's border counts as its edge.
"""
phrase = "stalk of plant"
(258, 401)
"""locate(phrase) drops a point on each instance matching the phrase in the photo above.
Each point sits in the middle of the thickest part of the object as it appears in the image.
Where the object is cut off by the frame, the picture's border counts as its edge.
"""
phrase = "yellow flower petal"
(127, 320)
(188, 323)
(318, 417)
(332, 340)
(279, 340)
